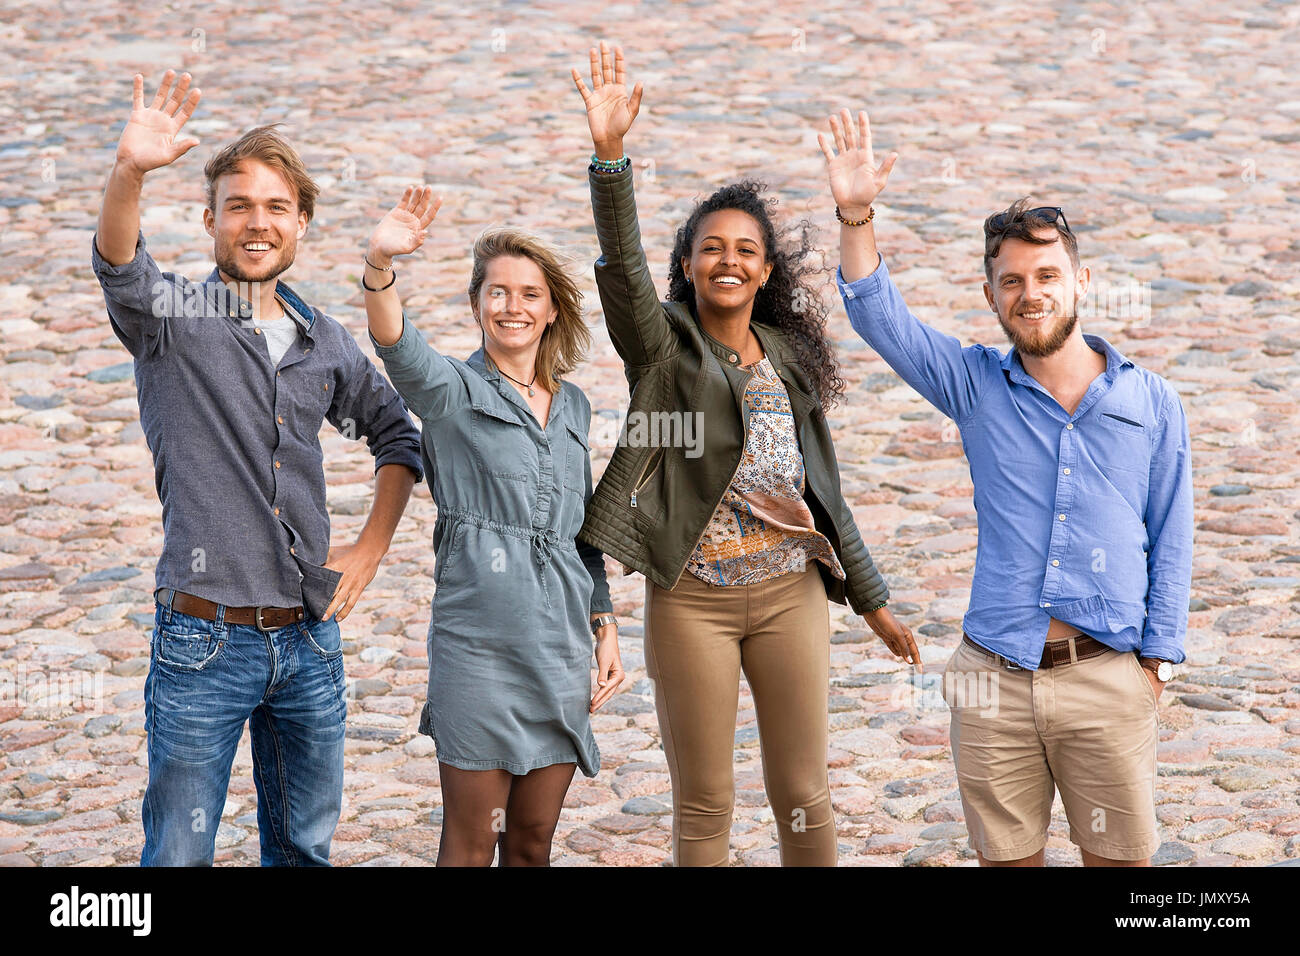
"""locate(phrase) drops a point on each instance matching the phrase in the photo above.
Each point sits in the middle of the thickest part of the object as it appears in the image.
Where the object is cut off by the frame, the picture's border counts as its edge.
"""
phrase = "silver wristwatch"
(601, 620)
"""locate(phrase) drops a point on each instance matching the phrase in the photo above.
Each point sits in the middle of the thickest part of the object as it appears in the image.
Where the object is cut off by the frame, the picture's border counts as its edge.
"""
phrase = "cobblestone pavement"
(1167, 132)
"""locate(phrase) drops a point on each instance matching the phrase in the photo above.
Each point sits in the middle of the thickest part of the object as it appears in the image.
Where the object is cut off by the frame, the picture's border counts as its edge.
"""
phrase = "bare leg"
(473, 814)
(532, 812)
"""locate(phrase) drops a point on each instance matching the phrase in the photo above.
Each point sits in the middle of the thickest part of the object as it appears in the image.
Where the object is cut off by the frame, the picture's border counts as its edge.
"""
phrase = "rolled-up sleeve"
(366, 405)
(139, 297)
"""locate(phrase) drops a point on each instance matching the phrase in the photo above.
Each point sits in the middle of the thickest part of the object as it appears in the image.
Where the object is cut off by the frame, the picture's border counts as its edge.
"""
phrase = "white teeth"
(514, 325)
(728, 280)
(257, 246)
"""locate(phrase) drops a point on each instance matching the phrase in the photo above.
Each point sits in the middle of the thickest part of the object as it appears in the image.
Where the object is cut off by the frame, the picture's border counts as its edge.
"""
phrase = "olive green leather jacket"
(658, 492)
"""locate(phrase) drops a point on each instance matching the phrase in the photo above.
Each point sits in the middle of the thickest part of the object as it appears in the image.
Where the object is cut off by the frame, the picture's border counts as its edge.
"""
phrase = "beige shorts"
(1087, 729)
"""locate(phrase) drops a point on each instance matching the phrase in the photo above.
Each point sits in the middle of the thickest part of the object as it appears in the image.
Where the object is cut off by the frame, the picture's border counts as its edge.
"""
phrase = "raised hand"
(402, 230)
(855, 179)
(610, 110)
(149, 139)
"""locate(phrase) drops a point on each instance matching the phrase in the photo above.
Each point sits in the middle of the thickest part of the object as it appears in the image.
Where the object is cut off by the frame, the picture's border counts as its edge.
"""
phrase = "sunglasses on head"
(1048, 213)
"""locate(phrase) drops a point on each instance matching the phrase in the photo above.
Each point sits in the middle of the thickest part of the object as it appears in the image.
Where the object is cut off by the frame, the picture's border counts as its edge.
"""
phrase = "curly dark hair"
(790, 300)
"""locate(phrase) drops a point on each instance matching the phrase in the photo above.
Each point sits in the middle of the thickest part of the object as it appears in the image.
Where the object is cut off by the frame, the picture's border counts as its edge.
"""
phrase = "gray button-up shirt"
(237, 457)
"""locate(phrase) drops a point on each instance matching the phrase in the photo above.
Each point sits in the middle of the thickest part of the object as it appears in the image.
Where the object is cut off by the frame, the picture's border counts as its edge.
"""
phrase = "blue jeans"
(206, 678)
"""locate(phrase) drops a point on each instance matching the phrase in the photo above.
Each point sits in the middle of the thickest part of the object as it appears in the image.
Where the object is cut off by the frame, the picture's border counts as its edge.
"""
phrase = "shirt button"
(1058, 517)
(1067, 471)
(280, 419)
(327, 388)
(735, 358)
(291, 551)
(1047, 604)
(277, 465)
(257, 331)
(277, 374)
(277, 511)
(1069, 427)
(1056, 564)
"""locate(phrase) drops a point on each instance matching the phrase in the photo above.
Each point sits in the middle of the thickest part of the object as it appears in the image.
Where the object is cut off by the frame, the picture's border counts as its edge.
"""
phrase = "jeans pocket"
(187, 643)
(324, 638)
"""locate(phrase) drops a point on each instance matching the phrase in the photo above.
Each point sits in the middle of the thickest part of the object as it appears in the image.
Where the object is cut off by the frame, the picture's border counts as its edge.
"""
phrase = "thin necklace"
(528, 385)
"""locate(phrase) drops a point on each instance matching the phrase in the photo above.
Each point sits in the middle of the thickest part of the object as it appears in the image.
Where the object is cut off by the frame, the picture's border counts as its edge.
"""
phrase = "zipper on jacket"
(643, 479)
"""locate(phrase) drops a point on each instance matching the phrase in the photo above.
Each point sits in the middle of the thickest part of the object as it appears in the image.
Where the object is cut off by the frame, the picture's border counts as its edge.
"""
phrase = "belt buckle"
(257, 620)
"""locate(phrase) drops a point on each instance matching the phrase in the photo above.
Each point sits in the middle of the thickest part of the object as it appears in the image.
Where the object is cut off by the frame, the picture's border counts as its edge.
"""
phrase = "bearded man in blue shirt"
(1080, 462)
(235, 376)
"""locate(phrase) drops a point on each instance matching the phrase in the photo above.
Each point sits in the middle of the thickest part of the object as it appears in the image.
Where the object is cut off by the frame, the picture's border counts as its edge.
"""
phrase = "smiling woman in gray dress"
(516, 597)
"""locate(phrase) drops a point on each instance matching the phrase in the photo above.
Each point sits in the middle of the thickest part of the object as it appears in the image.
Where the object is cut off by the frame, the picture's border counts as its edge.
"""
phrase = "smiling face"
(728, 261)
(514, 305)
(256, 223)
(1035, 292)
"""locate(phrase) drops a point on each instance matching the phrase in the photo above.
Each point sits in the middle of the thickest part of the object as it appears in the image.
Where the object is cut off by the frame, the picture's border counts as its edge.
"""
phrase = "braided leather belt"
(1055, 653)
(262, 618)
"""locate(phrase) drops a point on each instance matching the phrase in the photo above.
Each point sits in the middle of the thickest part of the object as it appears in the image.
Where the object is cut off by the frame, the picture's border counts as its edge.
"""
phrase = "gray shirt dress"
(510, 644)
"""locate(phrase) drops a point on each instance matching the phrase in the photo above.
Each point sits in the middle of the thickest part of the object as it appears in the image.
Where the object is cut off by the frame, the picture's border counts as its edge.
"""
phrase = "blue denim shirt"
(235, 440)
(1086, 517)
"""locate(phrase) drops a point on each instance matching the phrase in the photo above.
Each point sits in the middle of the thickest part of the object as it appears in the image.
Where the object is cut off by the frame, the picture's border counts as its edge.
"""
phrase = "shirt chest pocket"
(303, 399)
(577, 461)
(503, 447)
(1123, 440)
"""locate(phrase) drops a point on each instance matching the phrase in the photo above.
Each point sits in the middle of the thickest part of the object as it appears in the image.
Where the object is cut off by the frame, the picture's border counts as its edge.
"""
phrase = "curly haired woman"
(744, 535)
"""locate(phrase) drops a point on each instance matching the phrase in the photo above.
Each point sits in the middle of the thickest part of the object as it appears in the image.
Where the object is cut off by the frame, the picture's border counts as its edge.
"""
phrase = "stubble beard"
(228, 264)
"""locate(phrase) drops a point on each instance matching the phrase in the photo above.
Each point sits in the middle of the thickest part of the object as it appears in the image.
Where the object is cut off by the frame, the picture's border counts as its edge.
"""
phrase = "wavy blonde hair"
(565, 341)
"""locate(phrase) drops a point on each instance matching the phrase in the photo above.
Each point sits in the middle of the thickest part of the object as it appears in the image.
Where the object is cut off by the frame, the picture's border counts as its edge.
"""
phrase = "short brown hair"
(267, 146)
(1021, 221)
(565, 342)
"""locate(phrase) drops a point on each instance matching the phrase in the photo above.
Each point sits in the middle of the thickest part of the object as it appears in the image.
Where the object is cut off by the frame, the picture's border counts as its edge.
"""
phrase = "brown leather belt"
(1055, 653)
(262, 618)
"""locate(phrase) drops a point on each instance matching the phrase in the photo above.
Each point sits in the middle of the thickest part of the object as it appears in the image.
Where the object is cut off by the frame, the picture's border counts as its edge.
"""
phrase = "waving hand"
(610, 110)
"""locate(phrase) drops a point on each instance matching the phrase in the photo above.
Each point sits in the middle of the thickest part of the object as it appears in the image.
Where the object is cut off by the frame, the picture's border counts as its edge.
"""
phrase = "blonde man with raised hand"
(235, 376)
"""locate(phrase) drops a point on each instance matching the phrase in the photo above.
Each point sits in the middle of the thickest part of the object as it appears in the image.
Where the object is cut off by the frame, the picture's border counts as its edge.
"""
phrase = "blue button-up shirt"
(1087, 517)
(235, 439)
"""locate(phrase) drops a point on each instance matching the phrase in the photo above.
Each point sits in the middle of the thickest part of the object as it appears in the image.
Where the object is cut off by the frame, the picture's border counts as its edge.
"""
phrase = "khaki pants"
(698, 639)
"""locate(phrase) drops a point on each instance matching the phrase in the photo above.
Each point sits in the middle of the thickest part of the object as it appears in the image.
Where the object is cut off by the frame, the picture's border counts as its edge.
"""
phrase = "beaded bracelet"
(876, 608)
(871, 214)
(609, 165)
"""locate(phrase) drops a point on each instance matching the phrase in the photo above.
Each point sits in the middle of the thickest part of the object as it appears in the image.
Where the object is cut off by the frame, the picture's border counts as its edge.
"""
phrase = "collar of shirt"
(237, 307)
(1115, 361)
(479, 363)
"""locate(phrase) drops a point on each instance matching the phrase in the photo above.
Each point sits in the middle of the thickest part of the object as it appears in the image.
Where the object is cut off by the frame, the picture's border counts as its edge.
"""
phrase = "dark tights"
(483, 810)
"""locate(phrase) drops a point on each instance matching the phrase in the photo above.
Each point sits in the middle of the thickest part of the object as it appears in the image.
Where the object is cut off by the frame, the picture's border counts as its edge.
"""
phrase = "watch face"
(1165, 671)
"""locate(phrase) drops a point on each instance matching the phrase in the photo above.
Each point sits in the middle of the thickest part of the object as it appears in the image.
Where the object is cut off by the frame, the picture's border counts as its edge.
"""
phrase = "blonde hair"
(565, 342)
(265, 145)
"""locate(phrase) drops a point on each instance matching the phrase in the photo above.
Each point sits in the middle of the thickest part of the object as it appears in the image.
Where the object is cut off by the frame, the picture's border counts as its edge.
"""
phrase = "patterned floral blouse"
(762, 528)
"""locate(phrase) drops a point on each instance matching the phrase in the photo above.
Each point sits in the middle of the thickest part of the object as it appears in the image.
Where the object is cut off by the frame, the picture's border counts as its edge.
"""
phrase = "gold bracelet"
(871, 214)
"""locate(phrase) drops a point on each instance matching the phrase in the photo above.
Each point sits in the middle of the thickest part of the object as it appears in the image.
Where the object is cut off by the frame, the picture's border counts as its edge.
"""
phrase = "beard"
(1041, 343)
(226, 255)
